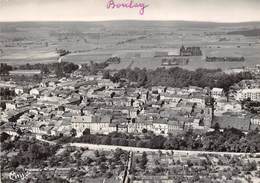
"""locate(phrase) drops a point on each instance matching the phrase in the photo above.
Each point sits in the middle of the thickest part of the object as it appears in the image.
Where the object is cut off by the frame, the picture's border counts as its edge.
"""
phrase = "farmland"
(135, 42)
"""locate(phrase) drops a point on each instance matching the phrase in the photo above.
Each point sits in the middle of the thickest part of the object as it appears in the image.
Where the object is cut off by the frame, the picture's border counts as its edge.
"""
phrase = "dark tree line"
(93, 68)
(4, 69)
(178, 77)
(31, 152)
(230, 140)
(6, 93)
(57, 68)
(251, 106)
(251, 32)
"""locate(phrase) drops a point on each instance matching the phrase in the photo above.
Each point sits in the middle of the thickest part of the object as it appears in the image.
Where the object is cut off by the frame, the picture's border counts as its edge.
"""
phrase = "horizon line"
(116, 20)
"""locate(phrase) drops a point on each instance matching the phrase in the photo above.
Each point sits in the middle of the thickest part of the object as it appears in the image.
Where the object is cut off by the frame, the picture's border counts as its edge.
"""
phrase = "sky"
(96, 10)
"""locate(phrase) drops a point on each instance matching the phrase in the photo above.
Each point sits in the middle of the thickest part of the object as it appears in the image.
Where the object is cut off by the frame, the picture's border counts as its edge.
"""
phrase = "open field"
(136, 42)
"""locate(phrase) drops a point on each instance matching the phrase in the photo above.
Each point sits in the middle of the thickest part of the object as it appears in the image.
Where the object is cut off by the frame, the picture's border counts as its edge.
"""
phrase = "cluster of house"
(254, 70)
(136, 110)
(231, 114)
(57, 106)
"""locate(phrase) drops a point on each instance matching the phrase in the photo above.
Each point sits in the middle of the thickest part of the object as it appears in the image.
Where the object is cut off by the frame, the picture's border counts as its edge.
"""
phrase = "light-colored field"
(135, 42)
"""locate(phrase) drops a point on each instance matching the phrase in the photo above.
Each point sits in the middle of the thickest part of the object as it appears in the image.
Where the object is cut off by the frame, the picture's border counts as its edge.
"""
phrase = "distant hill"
(125, 23)
(252, 32)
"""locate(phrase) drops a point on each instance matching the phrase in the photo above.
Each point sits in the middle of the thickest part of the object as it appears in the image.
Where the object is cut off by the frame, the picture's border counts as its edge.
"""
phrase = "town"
(87, 104)
(129, 91)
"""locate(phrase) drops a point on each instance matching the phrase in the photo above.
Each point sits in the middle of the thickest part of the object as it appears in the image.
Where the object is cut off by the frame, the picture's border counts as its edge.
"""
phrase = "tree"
(144, 130)
(143, 161)
(4, 136)
(73, 132)
(118, 154)
(258, 173)
(157, 142)
(4, 69)
(6, 146)
(14, 163)
(88, 161)
(97, 153)
(250, 166)
(178, 77)
(157, 170)
(189, 163)
(19, 131)
(3, 105)
(103, 168)
(216, 127)
(86, 132)
(106, 74)
(112, 94)
(109, 175)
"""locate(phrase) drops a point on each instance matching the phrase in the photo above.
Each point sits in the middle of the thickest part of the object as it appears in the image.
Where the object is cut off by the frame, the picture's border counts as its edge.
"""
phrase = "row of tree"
(229, 140)
(93, 68)
(60, 69)
(5, 68)
(178, 77)
(6, 93)
(31, 152)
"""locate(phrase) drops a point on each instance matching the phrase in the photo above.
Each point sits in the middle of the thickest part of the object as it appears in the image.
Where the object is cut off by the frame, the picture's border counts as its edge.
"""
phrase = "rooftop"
(254, 90)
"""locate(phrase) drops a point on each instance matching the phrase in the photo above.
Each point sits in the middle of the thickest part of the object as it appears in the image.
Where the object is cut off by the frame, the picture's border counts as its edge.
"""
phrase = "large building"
(217, 92)
(253, 94)
(95, 124)
(190, 51)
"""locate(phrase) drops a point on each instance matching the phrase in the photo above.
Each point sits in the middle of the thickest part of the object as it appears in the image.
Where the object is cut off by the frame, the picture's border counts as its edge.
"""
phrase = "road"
(140, 150)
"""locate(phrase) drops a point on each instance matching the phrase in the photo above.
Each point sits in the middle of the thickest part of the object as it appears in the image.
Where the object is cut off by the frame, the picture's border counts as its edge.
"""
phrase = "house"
(34, 92)
(120, 102)
(93, 78)
(41, 128)
(74, 109)
(160, 127)
(217, 92)
(255, 123)
(133, 113)
(138, 127)
(107, 83)
(121, 128)
(200, 100)
(95, 124)
(158, 89)
(51, 101)
(49, 82)
(10, 106)
(198, 124)
(88, 110)
(255, 120)
(18, 90)
(223, 106)
(175, 127)
(137, 103)
(253, 94)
